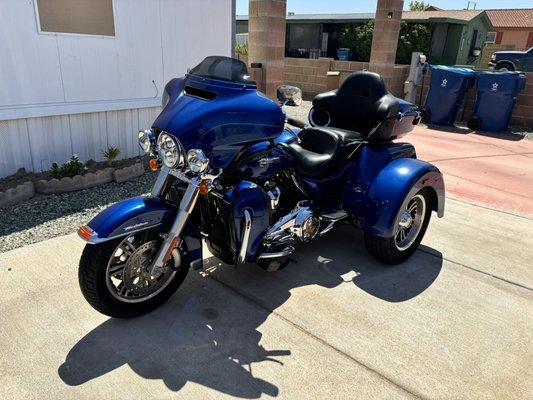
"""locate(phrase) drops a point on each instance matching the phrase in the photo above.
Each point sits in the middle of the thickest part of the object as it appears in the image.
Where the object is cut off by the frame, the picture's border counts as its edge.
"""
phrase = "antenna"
(474, 4)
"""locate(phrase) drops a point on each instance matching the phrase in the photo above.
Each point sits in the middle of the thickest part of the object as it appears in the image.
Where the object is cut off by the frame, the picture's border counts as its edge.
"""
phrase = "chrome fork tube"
(171, 239)
(160, 182)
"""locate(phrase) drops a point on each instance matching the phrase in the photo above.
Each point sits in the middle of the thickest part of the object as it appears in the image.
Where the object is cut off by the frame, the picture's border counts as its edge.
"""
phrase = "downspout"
(233, 27)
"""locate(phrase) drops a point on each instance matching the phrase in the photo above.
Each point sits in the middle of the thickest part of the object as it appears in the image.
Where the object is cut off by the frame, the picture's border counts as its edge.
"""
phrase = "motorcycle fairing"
(141, 213)
(218, 117)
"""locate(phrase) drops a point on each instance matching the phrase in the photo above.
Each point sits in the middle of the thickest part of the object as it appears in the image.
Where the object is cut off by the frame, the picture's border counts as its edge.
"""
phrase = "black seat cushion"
(319, 149)
(359, 104)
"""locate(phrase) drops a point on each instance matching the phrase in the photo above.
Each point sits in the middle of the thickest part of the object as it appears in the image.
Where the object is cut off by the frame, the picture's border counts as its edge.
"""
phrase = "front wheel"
(411, 228)
(115, 276)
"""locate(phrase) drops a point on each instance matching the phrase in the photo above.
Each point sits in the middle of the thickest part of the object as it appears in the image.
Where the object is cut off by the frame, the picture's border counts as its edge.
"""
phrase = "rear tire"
(93, 277)
(393, 251)
(504, 66)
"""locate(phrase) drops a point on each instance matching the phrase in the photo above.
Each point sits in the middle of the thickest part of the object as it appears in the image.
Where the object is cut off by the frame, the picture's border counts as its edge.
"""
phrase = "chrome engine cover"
(299, 224)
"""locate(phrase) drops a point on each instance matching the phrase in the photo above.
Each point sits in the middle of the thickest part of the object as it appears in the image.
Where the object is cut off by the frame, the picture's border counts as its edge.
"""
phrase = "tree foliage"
(358, 38)
(418, 5)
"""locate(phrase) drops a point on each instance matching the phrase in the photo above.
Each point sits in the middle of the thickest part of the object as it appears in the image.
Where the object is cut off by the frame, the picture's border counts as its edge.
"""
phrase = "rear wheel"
(504, 66)
(115, 276)
(414, 220)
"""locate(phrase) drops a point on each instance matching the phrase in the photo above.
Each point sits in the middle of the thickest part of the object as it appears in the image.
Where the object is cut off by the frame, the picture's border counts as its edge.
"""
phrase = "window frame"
(41, 32)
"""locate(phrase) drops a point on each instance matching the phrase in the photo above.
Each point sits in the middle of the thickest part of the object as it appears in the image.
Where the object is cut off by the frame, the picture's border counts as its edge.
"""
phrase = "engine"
(298, 225)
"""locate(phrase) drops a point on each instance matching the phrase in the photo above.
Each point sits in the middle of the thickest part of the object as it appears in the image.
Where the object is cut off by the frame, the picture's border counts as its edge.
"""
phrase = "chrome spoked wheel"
(411, 222)
(128, 275)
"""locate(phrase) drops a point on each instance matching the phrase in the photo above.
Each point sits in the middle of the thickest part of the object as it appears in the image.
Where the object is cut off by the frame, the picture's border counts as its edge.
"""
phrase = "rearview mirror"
(290, 95)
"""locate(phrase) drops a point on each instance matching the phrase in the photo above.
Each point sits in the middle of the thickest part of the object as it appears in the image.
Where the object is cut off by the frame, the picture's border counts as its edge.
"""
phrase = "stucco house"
(513, 27)
(455, 33)
(79, 76)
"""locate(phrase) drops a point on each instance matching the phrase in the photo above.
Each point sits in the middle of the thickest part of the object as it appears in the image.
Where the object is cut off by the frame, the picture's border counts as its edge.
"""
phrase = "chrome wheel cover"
(411, 222)
(128, 275)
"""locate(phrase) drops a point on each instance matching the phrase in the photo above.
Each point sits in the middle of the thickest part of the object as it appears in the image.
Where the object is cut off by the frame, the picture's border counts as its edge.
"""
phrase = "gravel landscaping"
(44, 217)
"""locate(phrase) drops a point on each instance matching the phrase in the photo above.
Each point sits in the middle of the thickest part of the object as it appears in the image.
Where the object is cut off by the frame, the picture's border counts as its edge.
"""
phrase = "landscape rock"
(55, 186)
(17, 195)
(125, 174)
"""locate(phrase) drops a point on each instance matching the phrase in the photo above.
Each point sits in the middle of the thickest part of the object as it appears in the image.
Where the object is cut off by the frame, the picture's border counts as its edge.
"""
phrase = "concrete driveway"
(453, 322)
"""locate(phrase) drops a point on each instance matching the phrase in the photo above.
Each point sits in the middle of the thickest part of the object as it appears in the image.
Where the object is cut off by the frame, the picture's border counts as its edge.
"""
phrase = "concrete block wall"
(310, 75)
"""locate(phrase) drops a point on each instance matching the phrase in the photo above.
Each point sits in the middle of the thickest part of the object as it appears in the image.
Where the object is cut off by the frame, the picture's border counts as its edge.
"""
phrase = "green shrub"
(241, 48)
(413, 37)
(70, 169)
(111, 154)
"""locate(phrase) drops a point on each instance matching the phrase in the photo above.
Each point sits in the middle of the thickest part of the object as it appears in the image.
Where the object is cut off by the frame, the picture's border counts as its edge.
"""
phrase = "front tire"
(98, 276)
(408, 235)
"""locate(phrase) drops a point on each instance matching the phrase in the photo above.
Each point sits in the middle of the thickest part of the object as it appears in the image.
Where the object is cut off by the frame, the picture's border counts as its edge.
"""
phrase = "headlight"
(197, 161)
(493, 57)
(145, 140)
(170, 151)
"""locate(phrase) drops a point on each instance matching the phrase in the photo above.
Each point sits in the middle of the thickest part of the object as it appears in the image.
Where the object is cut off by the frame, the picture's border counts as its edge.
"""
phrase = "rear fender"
(138, 214)
(394, 186)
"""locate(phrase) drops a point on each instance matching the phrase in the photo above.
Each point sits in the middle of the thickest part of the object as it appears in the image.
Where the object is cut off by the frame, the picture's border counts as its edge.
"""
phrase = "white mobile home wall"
(69, 93)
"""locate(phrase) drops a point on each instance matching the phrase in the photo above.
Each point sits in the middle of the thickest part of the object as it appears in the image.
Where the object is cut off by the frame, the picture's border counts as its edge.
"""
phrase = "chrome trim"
(160, 181)
(186, 206)
(246, 229)
(96, 240)
(285, 252)
(266, 161)
(179, 175)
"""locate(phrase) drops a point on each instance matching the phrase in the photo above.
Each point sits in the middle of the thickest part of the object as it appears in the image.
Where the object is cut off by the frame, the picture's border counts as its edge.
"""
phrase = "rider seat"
(320, 149)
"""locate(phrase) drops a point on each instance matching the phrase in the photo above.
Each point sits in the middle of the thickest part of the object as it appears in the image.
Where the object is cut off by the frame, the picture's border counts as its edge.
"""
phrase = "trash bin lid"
(452, 70)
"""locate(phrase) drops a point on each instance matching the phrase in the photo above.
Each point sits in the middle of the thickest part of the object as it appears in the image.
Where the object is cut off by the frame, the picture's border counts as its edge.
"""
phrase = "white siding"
(35, 143)
(63, 94)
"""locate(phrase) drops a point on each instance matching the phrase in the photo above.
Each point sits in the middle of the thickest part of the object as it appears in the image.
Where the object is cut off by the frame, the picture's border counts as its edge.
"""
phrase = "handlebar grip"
(297, 123)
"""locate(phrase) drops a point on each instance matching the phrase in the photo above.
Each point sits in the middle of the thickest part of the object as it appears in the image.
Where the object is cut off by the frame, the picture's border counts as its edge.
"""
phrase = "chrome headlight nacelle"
(146, 139)
(170, 151)
(197, 161)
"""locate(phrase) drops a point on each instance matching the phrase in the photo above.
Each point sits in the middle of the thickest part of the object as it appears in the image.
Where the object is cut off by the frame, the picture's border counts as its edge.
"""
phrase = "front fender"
(138, 214)
(394, 186)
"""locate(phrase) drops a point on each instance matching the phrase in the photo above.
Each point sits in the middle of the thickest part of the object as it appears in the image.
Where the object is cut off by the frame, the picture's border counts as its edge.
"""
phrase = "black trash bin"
(447, 90)
(496, 96)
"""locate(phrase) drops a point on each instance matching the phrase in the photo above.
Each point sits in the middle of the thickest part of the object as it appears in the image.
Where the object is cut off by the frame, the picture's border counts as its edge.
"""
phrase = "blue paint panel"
(239, 115)
(379, 184)
(144, 212)
(249, 196)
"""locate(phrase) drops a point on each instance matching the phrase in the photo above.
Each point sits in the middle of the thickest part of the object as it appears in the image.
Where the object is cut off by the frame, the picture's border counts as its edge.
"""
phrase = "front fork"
(172, 238)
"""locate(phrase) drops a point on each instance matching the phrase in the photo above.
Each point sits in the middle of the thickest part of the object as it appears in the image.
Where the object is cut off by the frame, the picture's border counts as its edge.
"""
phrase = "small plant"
(241, 48)
(111, 154)
(71, 168)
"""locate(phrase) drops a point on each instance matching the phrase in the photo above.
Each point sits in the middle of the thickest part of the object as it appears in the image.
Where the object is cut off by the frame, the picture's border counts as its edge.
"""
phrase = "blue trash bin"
(343, 54)
(447, 90)
(496, 96)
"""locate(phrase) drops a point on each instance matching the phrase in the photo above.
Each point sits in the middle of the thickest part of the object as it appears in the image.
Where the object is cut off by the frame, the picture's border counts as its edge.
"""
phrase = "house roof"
(323, 17)
(453, 16)
(458, 15)
(511, 18)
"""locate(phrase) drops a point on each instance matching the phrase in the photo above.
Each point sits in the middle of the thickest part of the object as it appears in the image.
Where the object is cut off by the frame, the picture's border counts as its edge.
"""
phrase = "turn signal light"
(203, 188)
(152, 164)
(85, 232)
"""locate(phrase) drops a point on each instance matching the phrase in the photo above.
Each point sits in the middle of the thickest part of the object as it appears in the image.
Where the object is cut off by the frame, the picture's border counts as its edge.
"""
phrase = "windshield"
(222, 68)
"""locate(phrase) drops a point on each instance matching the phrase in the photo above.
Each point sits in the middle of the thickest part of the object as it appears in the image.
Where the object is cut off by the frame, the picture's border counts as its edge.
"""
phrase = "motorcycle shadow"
(208, 335)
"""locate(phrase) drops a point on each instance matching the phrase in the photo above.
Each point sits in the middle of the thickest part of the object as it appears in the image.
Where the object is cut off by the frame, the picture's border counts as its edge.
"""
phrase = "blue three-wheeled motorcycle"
(253, 184)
